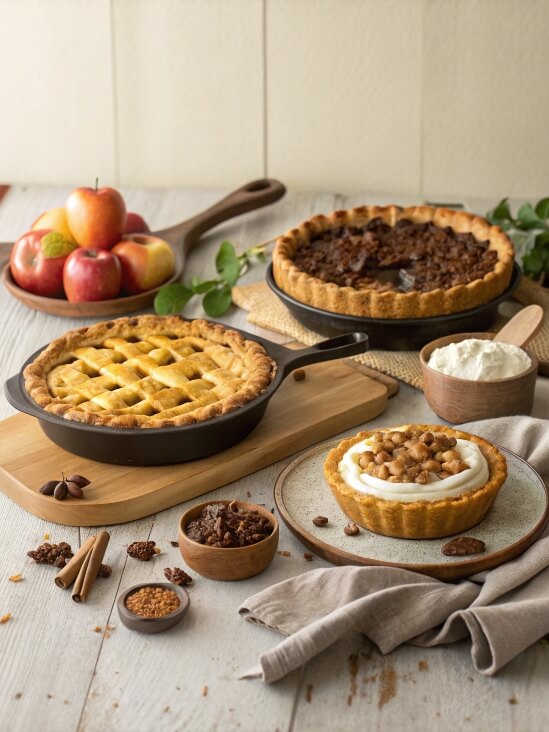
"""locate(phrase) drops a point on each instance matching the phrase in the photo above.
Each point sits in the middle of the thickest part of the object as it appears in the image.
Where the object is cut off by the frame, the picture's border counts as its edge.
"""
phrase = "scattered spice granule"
(248, 494)
(387, 685)
(309, 693)
(423, 665)
(5, 618)
(50, 696)
(66, 701)
(513, 700)
(97, 629)
(174, 543)
(108, 631)
(299, 375)
(15, 578)
(308, 557)
(18, 695)
(157, 550)
(46, 537)
(205, 690)
(166, 709)
(284, 553)
(115, 705)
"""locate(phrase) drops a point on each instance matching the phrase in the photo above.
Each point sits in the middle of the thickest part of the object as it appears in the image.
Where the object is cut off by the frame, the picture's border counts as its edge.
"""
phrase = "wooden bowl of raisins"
(228, 540)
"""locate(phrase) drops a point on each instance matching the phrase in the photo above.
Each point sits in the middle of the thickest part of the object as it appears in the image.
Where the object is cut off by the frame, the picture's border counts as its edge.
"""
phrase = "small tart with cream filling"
(415, 481)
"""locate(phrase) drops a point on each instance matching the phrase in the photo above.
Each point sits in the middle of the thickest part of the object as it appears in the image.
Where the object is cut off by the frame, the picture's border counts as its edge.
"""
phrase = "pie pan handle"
(343, 346)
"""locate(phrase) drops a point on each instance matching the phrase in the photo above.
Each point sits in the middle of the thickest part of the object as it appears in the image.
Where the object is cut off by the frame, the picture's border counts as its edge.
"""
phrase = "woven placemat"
(267, 311)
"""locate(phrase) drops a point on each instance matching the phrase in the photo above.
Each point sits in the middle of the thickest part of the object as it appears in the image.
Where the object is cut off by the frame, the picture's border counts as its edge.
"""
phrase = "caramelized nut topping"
(412, 456)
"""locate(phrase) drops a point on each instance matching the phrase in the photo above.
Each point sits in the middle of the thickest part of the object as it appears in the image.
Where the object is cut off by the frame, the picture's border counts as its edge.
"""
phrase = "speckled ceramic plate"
(518, 517)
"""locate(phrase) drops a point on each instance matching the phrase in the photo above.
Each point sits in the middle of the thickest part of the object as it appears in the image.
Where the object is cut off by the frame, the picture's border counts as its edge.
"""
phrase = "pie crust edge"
(418, 519)
(262, 368)
(390, 304)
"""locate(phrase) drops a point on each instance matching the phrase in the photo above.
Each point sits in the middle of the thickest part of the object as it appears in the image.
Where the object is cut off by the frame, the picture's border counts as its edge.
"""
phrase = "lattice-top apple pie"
(148, 371)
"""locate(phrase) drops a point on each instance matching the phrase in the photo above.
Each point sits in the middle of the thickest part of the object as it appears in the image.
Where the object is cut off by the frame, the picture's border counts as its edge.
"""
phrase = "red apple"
(91, 274)
(136, 224)
(97, 218)
(147, 262)
(37, 259)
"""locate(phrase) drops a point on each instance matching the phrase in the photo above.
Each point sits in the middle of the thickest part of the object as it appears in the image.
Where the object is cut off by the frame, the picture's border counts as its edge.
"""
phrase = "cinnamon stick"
(90, 568)
(65, 577)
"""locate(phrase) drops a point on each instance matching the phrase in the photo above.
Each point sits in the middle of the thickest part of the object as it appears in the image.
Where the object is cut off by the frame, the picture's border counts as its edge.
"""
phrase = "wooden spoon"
(182, 238)
(522, 327)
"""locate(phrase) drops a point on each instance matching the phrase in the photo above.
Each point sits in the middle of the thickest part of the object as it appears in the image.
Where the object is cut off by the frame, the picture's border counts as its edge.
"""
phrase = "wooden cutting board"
(333, 397)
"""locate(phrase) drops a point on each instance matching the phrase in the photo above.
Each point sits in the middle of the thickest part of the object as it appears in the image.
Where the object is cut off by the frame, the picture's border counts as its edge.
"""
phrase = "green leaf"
(199, 287)
(227, 263)
(527, 218)
(54, 245)
(172, 299)
(501, 212)
(542, 208)
(536, 261)
(218, 301)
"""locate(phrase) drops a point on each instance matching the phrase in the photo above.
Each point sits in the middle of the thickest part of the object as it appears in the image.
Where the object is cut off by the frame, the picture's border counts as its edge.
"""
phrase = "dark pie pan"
(152, 625)
(167, 445)
(395, 334)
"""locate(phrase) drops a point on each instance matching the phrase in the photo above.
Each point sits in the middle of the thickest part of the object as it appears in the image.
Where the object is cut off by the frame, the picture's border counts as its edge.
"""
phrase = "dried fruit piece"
(142, 550)
(320, 521)
(177, 576)
(463, 545)
(55, 554)
(48, 488)
(60, 491)
(351, 529)
(299, 375)
(80, 481)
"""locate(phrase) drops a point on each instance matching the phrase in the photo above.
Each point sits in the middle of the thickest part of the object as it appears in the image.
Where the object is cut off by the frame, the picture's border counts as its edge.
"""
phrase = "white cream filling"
(453, 485)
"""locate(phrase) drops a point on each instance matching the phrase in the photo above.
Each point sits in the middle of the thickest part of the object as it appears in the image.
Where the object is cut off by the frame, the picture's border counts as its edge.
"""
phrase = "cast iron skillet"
(177, 444)
(395, 334)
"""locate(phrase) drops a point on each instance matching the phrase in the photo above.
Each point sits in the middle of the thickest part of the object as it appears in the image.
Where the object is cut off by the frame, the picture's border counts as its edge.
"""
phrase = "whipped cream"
(480, 360)
(453, 485)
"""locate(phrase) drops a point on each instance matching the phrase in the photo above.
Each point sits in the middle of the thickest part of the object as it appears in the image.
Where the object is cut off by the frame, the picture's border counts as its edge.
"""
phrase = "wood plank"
(296, 418)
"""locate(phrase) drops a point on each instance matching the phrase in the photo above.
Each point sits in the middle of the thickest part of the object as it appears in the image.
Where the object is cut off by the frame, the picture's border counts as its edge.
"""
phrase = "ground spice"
(152, 602)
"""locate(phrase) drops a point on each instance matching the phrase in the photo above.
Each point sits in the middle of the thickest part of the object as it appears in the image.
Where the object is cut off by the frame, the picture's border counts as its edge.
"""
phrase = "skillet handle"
(253, 195)
(348, 344)
(18, 399)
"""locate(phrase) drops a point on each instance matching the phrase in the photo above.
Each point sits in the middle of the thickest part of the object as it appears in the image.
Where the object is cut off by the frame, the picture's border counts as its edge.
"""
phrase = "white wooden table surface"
(57, 674)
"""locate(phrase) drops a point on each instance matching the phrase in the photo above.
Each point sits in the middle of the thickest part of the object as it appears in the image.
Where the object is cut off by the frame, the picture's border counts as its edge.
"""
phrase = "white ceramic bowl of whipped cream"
(469, 376)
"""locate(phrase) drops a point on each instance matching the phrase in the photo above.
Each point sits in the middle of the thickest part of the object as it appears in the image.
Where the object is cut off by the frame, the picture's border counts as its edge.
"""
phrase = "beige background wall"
(430, 97)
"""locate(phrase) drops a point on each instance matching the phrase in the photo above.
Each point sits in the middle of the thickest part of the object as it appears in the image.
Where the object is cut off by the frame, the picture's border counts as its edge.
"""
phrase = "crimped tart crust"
(148, 372)
(376, 303)
(417, 519)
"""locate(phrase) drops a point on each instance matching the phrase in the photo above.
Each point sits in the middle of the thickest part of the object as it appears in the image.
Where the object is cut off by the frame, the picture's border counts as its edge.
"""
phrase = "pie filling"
(405, 257)
(419, 466)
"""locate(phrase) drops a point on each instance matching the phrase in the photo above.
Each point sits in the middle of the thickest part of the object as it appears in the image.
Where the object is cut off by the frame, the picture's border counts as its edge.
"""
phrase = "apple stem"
(96, 183)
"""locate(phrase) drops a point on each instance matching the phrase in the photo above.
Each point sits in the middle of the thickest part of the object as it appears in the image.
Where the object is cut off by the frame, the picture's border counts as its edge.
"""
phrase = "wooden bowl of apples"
(93, 258)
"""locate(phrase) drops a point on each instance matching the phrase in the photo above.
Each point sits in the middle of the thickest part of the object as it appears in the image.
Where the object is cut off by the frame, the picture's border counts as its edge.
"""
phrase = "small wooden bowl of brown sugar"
(228, 540)
(152, 607)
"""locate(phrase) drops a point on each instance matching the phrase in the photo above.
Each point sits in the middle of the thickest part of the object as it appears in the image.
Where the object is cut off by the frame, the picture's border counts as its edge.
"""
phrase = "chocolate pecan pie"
(148, 372)
(390, 262)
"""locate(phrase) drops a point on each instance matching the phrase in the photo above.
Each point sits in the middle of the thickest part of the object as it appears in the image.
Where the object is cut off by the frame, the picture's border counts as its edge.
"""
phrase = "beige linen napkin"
(503, 611)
